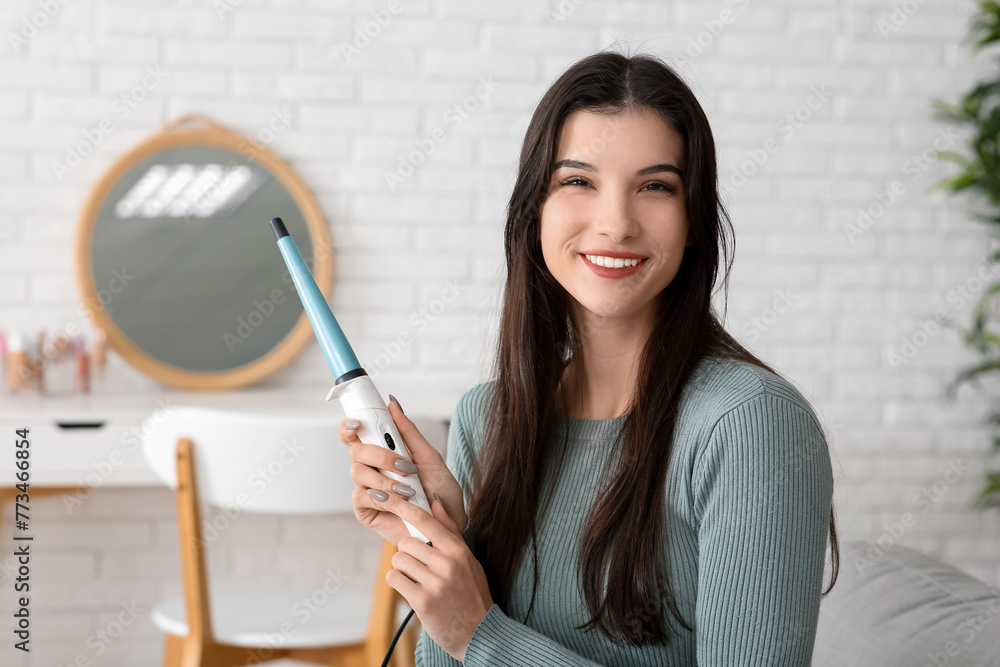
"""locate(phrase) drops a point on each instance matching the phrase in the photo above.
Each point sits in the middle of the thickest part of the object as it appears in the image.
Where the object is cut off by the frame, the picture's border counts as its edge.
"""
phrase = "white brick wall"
(893, 433)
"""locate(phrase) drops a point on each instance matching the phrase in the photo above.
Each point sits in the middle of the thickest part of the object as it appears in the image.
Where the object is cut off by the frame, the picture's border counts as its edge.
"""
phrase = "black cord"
(385, 663)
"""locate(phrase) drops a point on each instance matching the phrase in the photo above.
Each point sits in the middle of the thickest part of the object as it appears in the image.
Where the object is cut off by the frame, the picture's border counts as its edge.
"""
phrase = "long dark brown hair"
(622, 548)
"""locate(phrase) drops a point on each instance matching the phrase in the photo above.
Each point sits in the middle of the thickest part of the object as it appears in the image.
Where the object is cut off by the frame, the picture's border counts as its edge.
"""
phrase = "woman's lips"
(605, 272)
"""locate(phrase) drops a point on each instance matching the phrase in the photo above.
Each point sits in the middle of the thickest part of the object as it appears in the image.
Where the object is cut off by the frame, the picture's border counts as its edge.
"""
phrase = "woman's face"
(616, 192)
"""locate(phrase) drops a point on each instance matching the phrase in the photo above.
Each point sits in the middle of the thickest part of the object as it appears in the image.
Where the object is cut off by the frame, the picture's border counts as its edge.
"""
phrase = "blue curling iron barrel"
(357, 393)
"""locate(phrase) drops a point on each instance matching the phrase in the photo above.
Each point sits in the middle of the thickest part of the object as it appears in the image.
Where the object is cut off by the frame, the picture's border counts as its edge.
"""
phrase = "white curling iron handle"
(360, 400)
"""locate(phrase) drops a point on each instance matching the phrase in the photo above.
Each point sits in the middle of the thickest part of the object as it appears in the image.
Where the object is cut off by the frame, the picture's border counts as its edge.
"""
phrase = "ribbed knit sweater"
(747, 509)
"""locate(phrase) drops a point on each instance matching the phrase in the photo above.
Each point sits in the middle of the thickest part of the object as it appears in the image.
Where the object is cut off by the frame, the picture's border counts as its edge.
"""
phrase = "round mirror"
(177, 263)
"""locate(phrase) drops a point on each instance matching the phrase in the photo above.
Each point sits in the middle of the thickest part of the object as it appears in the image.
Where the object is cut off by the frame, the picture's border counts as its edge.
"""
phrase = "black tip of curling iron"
(279, 228)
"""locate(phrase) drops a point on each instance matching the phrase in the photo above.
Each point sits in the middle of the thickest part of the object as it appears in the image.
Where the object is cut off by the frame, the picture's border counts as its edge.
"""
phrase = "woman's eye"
(656, 185)
(663, 186)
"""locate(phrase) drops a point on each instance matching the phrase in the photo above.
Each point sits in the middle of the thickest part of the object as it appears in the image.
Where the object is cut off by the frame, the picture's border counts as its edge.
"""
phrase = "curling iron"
(357, 393)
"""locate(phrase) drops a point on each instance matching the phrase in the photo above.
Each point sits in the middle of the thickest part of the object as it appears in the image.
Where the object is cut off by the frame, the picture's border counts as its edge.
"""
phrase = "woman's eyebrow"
(574, 164)
(652, 169)
(659, 167)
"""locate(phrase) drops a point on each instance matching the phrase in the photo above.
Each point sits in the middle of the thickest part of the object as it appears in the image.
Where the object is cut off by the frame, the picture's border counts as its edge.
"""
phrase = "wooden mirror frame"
(185, 131)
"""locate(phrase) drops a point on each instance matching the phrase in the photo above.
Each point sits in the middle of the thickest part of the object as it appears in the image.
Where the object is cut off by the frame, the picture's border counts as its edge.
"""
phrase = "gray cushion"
(898, 607)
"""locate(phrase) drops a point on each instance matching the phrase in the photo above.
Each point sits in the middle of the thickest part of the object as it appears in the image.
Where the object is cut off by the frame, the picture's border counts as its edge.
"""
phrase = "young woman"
(633, 487)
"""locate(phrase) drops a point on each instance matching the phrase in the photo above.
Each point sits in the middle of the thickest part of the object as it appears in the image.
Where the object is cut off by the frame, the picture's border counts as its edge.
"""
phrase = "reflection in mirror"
(184, 261)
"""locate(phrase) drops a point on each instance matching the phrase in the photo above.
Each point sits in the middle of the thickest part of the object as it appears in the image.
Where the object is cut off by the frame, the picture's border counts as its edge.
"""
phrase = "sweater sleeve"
(498, 640)
(763, 488)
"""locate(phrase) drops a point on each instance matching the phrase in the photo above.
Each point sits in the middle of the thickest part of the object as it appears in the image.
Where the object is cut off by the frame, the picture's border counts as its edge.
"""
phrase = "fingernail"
(378, 495)
(352, 424)
(403, 490)
(393, 399)
(404, 466)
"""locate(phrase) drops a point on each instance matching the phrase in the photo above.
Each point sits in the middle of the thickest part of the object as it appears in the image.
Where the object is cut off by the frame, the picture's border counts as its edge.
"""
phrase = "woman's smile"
(611, 267)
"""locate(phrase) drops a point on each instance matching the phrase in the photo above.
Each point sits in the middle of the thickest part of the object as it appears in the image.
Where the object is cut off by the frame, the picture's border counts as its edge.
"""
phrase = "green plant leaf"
(982, 217)
(989, 494)
(952, 113)
(979, 174)
(981, 310)
(955, 183)
(960, 158)
(971, 374)
(986, 25)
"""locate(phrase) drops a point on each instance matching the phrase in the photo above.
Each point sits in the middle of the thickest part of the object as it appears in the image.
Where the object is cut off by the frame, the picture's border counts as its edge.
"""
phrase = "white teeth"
(611, 262)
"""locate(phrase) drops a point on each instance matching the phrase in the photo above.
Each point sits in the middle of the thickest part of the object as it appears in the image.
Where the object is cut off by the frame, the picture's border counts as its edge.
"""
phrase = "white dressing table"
(80, 443)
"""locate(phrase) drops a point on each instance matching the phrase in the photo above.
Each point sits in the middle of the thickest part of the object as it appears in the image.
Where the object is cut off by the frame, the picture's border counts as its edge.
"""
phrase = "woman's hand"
(444, 583)
(435, 477)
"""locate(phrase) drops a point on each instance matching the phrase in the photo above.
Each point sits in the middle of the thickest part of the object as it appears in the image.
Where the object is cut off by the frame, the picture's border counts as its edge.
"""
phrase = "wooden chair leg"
(340, 656)
(182, 652)
(171, 650)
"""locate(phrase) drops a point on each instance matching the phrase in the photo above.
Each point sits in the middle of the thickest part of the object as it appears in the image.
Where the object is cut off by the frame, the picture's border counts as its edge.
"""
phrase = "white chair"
(215, 455)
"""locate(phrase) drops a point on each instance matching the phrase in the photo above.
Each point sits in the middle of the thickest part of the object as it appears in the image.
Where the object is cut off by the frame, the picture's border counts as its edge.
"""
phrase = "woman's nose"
(615, 218)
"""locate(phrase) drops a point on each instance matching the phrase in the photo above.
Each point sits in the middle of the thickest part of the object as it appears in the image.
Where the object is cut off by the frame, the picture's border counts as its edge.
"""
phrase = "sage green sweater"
(747, 510)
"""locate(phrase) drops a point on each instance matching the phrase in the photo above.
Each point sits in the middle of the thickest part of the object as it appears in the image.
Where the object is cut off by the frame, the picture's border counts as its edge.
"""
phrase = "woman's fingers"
(364, 507)
(440, 513)
(348, 431)
(420, 519)
(415, 441)
(380, 457)
(374, 455)
(369, 478)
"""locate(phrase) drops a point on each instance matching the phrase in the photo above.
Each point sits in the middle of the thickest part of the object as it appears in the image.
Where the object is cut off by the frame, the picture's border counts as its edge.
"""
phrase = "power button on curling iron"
(389, 443)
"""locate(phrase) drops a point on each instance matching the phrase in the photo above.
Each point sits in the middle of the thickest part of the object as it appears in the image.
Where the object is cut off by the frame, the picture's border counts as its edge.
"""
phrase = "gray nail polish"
(378, 495)
(352, 424)
(393, 399)
(404, 466)
(403, 490)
